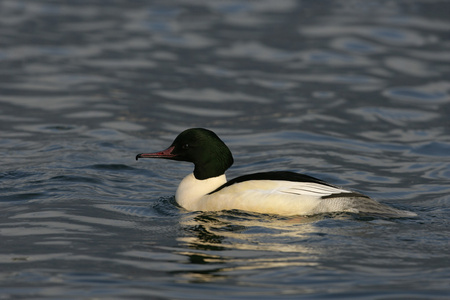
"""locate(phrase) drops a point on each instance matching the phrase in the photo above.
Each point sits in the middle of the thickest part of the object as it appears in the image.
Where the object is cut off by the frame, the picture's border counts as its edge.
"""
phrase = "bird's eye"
(185, 146)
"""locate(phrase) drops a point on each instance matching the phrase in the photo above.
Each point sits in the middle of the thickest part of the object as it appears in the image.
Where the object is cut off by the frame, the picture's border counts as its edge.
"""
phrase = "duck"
(283, 193)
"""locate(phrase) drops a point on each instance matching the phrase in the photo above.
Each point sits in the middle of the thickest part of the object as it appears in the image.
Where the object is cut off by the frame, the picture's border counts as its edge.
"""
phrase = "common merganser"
(282, 193)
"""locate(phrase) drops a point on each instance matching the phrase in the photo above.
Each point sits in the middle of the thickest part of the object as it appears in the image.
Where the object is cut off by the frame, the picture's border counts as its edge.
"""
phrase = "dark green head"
(200, 146)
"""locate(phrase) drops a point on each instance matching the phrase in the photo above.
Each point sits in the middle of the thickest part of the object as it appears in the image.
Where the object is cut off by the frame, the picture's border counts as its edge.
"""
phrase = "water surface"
(352, 92)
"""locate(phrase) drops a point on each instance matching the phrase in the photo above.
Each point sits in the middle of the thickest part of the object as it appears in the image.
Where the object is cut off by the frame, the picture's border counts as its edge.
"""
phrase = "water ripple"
(433, 93)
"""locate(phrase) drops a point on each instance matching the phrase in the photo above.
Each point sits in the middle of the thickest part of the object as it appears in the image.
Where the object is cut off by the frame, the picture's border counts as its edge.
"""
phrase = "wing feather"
(310, 189)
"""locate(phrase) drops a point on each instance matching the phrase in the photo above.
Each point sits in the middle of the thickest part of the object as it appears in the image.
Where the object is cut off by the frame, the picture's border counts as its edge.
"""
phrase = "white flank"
(287, 198)
(262, 196)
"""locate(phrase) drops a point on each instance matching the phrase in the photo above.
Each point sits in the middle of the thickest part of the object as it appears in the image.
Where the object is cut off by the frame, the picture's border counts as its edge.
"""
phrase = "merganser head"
(210, 155)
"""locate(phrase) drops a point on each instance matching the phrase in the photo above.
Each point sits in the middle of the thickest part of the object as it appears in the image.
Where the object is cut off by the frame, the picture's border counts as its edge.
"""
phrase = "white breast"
(191, 190)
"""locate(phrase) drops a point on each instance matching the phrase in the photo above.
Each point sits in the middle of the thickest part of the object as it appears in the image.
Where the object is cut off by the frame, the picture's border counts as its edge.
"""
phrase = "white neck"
(192, 189)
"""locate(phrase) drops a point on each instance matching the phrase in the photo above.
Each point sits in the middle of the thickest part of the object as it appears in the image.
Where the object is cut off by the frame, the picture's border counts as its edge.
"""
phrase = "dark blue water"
(354, 92)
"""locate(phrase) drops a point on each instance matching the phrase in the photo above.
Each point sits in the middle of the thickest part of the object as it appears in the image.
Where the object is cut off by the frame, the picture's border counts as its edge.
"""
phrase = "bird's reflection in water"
(233, 243)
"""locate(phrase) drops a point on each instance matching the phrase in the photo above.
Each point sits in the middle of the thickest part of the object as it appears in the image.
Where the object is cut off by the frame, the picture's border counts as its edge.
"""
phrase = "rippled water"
(353, 92)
